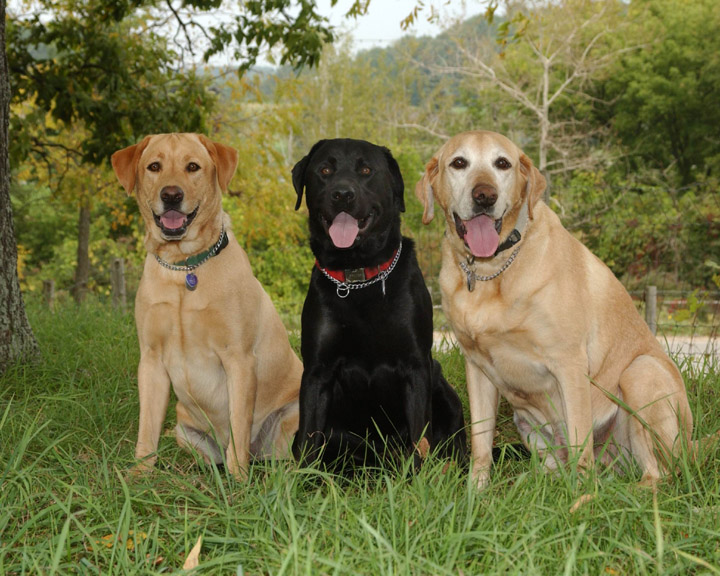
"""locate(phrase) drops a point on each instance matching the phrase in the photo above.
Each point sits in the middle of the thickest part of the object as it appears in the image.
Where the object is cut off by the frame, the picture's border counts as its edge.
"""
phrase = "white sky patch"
(382, 23)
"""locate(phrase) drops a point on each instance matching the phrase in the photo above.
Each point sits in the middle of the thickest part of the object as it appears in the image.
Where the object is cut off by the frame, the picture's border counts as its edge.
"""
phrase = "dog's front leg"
(418, 413)
(577, 404)
(314, 406)
(242, 390)
(154, 394)
(484, 398)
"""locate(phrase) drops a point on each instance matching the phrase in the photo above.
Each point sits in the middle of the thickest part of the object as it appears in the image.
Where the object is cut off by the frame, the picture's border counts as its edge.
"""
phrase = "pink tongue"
(481, 236)
(172, 219)
(343, 230)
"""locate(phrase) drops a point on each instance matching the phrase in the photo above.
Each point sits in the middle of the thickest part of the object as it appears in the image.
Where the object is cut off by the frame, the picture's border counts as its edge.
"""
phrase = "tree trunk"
(82, 269)
(17, 341)
(545, 129)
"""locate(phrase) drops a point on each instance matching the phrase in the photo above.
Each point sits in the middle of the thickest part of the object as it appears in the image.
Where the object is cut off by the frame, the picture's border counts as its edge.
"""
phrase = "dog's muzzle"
(481, 234)
(343, 228)
(461, 229)
(174, 223)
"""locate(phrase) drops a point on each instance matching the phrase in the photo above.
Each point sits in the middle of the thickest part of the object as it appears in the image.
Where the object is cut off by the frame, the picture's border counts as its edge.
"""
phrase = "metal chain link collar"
(343, 288)
(191, 280)
(472, 276)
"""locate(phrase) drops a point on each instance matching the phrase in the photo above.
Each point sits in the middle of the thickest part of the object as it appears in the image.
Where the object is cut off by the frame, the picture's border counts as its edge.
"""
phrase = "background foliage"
(631, 149)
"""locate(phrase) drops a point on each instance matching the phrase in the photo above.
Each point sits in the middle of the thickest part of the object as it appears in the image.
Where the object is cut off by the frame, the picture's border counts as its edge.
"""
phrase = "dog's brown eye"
(365, 170)
(192, 167)
(154, 167)
(326, 170)
(459, 163)
(503, 163)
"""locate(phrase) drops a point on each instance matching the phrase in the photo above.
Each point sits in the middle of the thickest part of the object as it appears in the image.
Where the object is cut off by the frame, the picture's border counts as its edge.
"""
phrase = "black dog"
(370, 389)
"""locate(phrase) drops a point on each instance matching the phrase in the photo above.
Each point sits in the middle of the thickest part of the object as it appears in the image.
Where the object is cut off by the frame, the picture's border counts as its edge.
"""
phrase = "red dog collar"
(356, 275)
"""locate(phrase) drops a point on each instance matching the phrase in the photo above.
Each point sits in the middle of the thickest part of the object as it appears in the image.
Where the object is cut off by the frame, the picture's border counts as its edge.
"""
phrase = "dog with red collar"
(370, 390)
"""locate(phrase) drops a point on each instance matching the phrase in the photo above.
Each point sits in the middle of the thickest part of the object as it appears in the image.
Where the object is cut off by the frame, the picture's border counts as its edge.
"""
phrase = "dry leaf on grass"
(109, 540)
(584, 499)
(193, 558)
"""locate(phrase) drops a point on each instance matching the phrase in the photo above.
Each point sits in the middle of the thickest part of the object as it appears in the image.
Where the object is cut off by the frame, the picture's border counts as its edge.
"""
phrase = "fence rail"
(686, 322)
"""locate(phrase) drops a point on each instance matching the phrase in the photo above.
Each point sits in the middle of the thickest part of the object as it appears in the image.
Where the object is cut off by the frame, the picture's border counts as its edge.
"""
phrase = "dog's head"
(480, 180)
(178, 179)
(354, 193)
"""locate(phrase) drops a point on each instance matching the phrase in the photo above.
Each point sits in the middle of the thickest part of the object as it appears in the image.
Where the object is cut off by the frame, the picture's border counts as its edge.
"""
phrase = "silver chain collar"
(472, 276)
(191, 267)
(343, 288)
(191, 280)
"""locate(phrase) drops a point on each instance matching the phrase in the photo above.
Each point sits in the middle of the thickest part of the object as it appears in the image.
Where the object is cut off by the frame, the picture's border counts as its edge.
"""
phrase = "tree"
(16, 338)
(92, 64)
(544, 60)
(666, 97)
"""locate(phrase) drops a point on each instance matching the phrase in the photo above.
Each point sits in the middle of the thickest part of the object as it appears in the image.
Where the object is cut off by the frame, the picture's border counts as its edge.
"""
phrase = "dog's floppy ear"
(534, 184)
(125, 163)
(398, 185)
(424, 190)
(225, 159)
(298, 173)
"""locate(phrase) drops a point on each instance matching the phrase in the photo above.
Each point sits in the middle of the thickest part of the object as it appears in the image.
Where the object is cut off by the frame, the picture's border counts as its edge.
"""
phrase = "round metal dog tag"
(191, 281)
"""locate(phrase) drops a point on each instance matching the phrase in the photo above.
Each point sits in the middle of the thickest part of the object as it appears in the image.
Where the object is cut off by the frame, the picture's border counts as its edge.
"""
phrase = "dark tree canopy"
(119, 67)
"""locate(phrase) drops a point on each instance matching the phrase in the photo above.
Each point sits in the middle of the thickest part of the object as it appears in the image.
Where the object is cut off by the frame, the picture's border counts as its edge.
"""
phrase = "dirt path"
(698, 348)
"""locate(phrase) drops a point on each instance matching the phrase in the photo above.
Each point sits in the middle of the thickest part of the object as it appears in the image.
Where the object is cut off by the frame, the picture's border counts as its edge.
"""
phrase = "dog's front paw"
(481, 476)
(237, 464)
(143, 466)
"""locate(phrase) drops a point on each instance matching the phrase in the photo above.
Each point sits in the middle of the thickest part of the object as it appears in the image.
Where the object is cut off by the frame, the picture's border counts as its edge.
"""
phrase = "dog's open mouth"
(481, 234)
(344, 228)
(174, 223)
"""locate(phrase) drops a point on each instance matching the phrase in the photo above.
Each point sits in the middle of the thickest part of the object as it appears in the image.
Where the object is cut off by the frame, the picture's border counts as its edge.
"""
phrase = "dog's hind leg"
(660, 419)
(191, 439)
(274, 439)
(194, 440)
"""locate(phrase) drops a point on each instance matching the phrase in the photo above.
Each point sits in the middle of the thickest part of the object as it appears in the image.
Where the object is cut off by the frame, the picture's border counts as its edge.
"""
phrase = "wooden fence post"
(651, 308)
(49, 292)
(117, 281)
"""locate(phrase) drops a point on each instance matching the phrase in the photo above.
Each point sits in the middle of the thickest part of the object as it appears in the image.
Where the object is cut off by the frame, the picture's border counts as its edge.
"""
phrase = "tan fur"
(556, 334)
(223, 347)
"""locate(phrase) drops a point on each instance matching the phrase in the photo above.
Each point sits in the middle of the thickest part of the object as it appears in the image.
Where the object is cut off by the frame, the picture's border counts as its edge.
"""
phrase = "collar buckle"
(355, 275)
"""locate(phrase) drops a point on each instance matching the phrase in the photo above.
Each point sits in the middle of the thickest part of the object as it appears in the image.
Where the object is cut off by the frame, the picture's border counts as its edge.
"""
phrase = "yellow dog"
(204, 323)
(543, 322)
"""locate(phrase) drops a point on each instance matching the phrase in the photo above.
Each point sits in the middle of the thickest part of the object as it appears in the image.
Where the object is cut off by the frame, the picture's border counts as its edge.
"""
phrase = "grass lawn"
(67, 505)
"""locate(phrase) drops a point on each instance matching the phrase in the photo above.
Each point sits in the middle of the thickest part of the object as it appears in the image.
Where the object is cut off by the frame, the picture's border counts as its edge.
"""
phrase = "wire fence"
(686, 322)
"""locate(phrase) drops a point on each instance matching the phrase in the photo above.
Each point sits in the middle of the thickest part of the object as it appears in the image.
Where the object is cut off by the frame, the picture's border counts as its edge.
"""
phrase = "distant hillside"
(427, 50)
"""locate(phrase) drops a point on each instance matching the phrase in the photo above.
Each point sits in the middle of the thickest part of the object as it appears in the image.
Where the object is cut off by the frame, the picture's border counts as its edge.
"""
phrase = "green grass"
(67, 505)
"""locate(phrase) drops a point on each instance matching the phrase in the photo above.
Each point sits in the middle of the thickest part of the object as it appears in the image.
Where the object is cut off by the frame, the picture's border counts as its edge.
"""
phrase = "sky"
(381, 25)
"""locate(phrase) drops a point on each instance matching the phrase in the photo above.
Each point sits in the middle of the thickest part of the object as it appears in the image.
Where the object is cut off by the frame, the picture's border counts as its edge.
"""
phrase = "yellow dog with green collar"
(205, 325)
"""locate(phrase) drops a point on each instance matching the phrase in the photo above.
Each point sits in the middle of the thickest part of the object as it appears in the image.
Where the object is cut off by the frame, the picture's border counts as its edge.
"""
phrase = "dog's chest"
(185, 334)
(374, 343)
(493, 334)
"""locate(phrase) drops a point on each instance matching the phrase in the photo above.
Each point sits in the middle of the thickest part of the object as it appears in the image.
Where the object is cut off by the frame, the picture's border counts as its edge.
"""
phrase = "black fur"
(370, 384)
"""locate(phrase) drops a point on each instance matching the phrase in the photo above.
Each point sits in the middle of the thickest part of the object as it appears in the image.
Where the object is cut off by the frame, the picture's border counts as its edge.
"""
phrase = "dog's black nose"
(346, 196)
(172, 195)
(484, 196)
